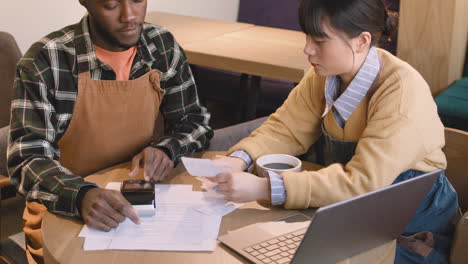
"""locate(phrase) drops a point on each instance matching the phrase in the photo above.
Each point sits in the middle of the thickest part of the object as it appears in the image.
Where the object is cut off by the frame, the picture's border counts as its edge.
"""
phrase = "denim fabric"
(433, 215)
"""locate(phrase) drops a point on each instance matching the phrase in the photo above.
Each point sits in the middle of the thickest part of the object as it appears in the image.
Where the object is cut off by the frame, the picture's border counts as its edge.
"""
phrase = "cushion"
(227, 137)
(270, 13)
(10, 252)
(453, 105)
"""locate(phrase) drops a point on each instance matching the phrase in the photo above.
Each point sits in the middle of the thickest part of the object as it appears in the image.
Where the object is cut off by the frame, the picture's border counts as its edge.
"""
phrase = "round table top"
(62, 244)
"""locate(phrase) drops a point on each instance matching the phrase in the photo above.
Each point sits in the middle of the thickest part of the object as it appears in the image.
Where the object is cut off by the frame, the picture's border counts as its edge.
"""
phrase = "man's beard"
(113, 40)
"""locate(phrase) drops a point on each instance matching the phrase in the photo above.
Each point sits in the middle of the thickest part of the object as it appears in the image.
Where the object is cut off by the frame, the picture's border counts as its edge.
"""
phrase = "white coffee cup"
(278, 163)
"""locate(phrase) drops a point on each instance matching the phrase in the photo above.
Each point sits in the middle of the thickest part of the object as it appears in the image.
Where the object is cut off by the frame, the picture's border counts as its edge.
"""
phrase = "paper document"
(184, 221)
(169, 230)
(203, 167)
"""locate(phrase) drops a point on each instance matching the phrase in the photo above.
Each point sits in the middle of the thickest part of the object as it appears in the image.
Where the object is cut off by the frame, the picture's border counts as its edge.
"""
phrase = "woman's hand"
(235, 164)
(241, 187)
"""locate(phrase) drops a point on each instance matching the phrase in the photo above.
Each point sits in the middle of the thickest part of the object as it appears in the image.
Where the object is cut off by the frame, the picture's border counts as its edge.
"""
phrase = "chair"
(10, 54)
(9, 57)
(456, 151)
(452, 105)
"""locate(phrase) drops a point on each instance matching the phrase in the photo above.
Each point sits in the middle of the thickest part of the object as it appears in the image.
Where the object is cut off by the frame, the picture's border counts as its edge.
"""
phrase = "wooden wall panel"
(433, 38)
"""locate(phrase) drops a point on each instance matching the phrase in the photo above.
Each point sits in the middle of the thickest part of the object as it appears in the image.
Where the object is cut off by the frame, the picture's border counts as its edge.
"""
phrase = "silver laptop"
(337, 231)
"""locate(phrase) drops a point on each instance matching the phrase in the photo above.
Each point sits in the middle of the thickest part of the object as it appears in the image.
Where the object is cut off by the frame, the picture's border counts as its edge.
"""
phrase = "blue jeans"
(434, 215)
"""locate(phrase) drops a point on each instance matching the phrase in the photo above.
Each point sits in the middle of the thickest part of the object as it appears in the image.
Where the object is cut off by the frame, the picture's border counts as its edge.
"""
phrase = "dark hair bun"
(391, 24)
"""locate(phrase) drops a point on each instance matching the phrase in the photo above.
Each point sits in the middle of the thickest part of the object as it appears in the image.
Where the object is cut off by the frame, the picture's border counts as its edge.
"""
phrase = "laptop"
(337, 231)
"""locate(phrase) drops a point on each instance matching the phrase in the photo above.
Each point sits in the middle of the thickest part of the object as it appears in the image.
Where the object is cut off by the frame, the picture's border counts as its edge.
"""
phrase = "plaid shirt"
(45, 94)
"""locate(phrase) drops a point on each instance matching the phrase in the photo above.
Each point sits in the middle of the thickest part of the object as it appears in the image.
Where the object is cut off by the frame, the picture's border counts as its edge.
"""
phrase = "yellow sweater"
(401, 131)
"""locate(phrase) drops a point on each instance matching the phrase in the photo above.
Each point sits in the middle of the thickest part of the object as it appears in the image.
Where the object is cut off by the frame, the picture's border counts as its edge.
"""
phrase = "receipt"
(203, 167)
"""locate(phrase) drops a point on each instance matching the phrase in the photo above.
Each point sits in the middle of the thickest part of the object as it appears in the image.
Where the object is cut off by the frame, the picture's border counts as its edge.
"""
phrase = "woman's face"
(332, 55)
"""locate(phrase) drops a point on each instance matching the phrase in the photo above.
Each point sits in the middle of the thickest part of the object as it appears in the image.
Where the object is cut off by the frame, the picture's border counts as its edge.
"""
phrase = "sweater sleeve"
(392, 142)
(294, 127)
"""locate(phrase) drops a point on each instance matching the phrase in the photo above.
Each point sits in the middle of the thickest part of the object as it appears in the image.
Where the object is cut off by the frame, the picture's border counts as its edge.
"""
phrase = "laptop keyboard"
(277, 250)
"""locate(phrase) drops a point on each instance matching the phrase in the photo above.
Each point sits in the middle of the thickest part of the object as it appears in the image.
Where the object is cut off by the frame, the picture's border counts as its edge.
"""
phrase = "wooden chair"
(456, 151)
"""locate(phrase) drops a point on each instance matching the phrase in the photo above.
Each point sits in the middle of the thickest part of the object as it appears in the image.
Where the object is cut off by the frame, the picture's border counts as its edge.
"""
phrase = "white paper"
(219, 209)
(114, 186)
(176, 226)
(216, 203)
(203, 167)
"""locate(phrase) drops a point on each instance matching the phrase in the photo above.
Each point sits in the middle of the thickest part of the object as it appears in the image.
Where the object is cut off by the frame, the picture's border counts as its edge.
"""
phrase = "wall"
(29, 20)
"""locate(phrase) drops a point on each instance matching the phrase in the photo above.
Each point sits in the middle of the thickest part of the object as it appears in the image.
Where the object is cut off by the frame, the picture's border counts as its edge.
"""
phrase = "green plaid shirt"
(45, 94)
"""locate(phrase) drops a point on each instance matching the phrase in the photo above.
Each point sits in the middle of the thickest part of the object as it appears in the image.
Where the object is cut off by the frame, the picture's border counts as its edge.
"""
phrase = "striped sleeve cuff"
(278, 192)
(243, 155)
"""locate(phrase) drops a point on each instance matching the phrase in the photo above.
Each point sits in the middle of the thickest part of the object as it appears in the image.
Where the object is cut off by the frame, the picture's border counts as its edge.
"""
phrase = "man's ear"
(363, 41)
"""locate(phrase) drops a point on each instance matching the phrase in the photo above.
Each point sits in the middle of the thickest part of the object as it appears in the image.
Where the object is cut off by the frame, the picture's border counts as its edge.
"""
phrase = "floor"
(11, 212)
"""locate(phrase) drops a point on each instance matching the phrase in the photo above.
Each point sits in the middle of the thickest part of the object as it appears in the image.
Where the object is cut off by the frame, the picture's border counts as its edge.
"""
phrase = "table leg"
(243, 94)
(251, 98)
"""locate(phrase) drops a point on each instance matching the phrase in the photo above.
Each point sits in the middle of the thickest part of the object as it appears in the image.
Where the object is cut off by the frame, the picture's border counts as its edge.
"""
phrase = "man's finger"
(135, 165)
(158, 163)
(108, 221)
(131, 213)
(111, 212)
(99, 226)
(120, 204)
(168, 169)
(148, 164)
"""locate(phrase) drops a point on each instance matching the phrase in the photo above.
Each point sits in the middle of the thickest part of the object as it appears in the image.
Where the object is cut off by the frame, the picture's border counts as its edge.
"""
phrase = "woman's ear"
(363, 42)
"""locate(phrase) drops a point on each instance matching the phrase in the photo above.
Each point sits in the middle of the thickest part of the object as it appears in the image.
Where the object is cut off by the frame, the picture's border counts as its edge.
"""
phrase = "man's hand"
(156, 164)
(104, 209)
(235, 164)
(241, 187)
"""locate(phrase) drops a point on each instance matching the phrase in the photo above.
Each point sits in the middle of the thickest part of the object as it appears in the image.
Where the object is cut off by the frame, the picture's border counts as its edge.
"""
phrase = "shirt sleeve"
(245, 157)
(33, 152)
(278, 191)
(294, 127)
(186, 121)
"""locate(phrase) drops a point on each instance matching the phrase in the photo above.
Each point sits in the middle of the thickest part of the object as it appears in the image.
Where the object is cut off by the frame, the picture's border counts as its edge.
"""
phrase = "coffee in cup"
(278, 163)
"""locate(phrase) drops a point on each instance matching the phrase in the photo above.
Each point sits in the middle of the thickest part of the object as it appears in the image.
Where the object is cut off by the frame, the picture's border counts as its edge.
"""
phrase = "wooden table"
(62, 244)
(260, 51)
(238, 47)
(188, 29)
(257, 51)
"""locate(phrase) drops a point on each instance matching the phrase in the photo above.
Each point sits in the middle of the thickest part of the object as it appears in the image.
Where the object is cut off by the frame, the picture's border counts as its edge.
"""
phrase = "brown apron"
(112, 121)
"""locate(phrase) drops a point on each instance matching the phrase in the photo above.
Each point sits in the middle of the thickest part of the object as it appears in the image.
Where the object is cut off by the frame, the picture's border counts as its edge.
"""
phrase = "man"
(86, 98)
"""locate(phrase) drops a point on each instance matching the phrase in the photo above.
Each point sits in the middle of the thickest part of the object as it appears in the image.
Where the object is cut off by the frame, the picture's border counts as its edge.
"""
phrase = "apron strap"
(84, 75)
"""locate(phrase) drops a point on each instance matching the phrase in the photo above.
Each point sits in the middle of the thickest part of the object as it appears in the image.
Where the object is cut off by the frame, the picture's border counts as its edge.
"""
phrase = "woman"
(372, 119)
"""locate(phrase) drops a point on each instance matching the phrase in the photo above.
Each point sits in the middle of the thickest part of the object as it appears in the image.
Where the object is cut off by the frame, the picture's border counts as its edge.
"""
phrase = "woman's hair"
(349, 16)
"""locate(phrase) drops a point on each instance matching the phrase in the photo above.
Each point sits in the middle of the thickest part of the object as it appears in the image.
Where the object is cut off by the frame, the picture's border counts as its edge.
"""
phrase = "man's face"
(115, 24)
